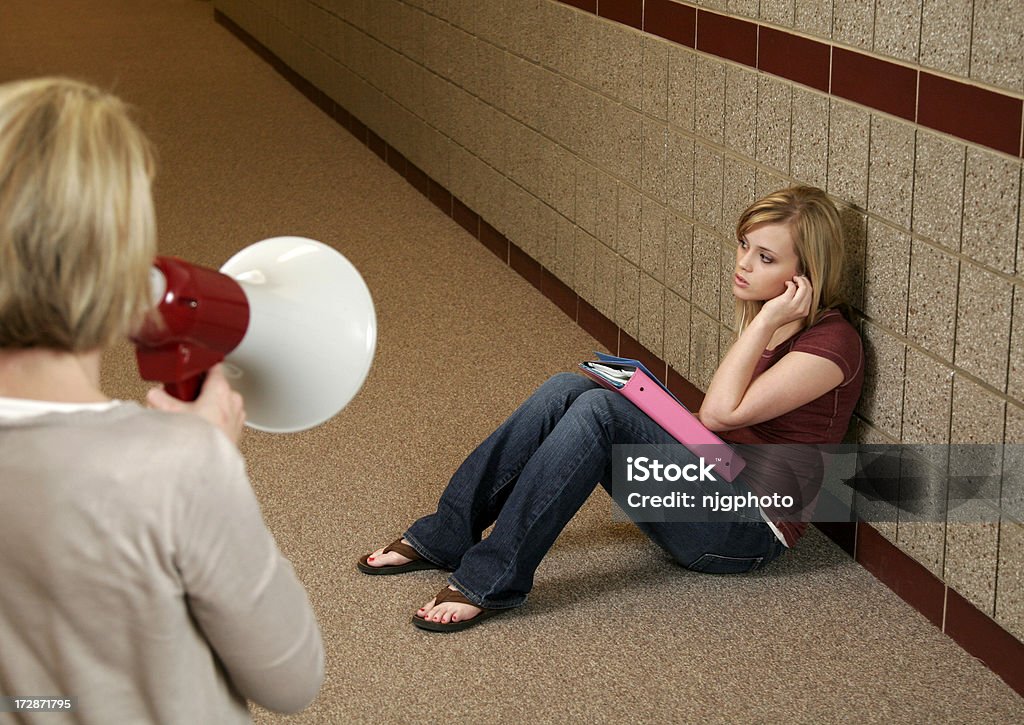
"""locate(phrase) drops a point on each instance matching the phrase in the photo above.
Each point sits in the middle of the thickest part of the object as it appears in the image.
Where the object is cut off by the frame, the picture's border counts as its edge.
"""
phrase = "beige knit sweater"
(137, 574)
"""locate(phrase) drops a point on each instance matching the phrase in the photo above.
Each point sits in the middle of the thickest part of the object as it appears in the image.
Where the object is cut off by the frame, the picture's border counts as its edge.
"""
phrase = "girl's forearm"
(732, 378)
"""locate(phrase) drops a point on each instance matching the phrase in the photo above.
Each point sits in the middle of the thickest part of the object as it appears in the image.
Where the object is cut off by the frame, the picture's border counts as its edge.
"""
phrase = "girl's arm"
(732, 401)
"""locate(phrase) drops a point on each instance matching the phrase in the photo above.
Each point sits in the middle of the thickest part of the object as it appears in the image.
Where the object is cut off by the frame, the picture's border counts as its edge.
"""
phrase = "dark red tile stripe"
(910, 580)
(971, 113)
(631, 347)
(986, 640)
(441, 197)
(377, 145)
(790, 56)
(466, 217)
(842, 533)
(671, 21)
(726, 37)
(598, 326)
(873, 82)
(358, 129)
(494, 240)
(395, 159)
(342, 116)
(418, 179)
(968, 112)
(561, 294)
(527, 267)
(627, 12)
(689, 394)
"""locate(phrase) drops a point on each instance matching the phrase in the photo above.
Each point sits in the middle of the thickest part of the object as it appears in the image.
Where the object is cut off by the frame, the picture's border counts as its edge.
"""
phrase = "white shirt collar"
(15, 408)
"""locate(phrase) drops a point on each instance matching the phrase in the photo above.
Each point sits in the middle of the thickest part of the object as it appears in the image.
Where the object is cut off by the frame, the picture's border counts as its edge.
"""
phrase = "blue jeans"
(531, 476)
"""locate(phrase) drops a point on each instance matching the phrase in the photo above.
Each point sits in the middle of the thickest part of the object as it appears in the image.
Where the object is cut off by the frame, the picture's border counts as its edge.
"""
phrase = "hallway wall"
(615, 142)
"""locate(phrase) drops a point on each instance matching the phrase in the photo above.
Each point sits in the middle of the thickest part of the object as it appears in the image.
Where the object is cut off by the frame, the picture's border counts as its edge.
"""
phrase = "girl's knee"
(568, 383)
(611, 410)
(596, 399)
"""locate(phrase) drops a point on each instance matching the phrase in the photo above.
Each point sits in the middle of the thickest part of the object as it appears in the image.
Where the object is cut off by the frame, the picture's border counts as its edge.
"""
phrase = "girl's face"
(765, 260)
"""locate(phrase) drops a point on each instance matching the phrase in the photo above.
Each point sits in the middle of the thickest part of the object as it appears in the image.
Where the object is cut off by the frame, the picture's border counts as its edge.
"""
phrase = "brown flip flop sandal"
(418, 562)
(448, 595)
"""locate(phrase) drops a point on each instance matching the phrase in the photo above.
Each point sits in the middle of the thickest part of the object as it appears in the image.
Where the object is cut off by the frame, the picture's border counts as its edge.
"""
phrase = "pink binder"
(648, 394)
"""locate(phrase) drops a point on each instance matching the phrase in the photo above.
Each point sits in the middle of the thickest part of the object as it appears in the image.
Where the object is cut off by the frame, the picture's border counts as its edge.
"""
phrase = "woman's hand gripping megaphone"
(217, 403)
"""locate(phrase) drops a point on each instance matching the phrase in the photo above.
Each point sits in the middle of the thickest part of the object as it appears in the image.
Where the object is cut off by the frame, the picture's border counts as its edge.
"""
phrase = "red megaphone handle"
(187, 389)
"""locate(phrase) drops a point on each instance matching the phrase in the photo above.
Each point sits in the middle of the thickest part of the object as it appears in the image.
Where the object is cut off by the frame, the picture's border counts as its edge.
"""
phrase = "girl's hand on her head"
(793, 304)
(217, 403)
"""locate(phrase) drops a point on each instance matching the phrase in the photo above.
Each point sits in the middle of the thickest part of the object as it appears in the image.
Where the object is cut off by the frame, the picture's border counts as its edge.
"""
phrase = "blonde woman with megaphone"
(138, 574)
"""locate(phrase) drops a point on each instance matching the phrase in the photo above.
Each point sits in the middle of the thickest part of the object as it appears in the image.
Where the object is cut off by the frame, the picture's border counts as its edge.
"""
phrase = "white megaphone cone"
(311, 337)
(291, 318)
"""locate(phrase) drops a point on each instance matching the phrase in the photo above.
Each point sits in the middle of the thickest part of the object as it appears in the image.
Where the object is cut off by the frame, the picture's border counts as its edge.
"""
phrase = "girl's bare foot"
(400, 559)
(446, 612)
(392, 558)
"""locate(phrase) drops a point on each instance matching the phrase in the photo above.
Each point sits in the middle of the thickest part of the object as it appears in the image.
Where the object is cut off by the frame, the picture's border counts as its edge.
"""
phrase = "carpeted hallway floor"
(613, 632)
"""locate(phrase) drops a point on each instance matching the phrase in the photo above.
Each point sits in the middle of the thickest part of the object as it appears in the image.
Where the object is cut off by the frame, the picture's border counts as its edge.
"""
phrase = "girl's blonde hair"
(77, 228)
(818, 240)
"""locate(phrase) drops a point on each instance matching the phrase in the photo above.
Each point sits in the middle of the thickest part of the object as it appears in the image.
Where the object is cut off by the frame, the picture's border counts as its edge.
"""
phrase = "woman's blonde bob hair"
(77, 229)
(818, 239)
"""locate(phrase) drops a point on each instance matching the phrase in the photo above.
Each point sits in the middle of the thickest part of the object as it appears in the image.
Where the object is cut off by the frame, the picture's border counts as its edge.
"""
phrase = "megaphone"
(291, 318)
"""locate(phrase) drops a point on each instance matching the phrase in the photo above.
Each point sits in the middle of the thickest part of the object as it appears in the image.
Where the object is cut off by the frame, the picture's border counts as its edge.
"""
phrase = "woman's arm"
(243, 592)
(732, 401)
